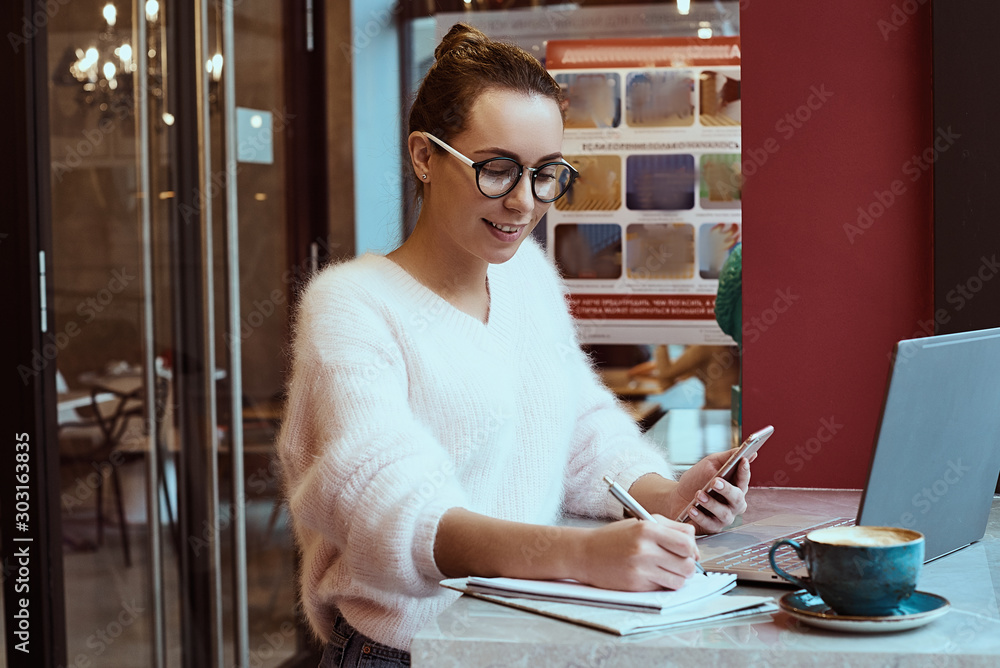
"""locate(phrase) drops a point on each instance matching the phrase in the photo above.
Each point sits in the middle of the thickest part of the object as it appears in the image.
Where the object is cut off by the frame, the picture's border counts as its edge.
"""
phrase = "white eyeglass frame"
(478, 166)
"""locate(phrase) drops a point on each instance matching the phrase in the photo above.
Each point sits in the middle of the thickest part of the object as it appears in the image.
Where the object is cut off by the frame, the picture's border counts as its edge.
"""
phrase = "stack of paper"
(620, 612)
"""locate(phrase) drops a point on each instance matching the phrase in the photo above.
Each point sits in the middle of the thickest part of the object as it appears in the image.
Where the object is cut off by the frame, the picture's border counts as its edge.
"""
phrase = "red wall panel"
(837, 261)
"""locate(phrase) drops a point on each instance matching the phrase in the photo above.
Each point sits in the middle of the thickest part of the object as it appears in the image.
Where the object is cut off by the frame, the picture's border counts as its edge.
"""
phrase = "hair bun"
(461, 34)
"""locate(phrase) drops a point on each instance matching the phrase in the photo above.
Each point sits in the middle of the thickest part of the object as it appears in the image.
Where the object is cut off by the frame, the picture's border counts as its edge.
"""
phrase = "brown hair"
(468, 63)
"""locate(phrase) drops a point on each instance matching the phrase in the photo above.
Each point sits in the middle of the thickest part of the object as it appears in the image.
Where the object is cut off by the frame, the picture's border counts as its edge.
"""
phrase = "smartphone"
(749, 446)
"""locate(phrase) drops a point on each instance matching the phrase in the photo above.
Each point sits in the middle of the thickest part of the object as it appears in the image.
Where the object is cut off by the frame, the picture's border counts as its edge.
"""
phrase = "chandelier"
(103, 72)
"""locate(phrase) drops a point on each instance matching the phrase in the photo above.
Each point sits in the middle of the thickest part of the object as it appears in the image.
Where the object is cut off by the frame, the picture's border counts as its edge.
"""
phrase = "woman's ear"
(420, 155)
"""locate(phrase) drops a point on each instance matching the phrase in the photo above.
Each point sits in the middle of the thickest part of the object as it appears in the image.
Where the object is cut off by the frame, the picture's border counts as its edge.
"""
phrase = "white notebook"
(700, 601)
(570, 591)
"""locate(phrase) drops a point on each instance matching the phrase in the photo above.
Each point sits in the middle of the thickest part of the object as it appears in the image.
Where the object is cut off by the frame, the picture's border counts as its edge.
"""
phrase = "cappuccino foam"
(859, 536)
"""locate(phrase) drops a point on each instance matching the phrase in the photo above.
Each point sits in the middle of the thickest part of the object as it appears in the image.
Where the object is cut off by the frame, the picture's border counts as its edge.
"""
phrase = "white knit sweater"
(401, 406)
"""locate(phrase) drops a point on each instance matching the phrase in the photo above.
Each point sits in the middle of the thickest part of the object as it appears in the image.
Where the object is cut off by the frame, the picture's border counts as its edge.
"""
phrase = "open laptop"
(934, 466)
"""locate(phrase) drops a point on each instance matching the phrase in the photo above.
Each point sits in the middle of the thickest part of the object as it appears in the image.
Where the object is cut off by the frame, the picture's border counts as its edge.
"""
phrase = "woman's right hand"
(633, 555)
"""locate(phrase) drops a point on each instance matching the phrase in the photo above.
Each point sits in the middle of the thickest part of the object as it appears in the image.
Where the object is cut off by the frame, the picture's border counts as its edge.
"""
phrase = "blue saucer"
(919, 609)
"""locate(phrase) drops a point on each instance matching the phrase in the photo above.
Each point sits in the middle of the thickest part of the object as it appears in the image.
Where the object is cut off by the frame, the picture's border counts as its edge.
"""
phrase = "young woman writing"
(441, 415)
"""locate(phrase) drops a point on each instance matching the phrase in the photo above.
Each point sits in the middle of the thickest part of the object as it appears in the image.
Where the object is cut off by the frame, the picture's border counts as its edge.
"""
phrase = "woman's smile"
(505, 232)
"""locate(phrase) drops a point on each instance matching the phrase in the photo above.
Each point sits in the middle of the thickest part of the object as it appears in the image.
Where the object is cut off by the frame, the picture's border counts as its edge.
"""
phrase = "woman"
(441, 414)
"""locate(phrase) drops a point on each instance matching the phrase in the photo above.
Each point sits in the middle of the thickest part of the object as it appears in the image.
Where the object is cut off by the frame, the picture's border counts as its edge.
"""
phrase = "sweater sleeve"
(606, 440)
(361, 473)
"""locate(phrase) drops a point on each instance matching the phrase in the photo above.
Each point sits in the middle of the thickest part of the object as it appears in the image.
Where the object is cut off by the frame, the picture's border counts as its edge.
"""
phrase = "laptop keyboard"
(755, 557)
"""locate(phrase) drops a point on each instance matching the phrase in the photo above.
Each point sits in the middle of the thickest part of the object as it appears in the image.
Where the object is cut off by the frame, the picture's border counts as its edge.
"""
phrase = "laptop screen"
(936, 458)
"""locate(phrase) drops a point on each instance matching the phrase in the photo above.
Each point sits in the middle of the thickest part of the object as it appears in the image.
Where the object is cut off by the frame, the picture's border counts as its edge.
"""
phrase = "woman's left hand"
(715, 511)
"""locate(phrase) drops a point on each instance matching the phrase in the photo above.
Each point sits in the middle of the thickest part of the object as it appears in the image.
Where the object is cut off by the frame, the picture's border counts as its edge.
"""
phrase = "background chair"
(87, 424)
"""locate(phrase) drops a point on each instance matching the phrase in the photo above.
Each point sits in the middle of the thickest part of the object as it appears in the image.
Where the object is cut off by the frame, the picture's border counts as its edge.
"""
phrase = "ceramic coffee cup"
(858, 570)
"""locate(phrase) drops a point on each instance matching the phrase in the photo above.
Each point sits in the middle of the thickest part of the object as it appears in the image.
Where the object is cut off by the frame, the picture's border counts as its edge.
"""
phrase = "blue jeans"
(347, 647)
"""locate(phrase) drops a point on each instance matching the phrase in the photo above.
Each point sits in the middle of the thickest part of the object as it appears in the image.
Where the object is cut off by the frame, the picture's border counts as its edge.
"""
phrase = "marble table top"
(474, 632)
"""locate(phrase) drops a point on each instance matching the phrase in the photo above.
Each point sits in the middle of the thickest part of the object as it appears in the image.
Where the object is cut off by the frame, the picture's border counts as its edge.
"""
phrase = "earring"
(423, 176)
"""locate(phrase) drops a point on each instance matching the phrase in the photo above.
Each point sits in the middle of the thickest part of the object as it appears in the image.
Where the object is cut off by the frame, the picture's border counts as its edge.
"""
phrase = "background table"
(474, 632)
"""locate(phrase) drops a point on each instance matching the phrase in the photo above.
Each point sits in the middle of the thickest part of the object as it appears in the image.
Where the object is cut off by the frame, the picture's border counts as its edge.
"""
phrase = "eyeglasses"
(496, 177)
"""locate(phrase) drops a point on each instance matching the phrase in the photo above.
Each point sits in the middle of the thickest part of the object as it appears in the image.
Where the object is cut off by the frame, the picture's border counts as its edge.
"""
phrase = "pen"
(633, 506)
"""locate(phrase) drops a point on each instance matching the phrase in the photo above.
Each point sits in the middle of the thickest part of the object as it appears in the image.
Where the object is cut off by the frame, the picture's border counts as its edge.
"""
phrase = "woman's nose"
(521, 197)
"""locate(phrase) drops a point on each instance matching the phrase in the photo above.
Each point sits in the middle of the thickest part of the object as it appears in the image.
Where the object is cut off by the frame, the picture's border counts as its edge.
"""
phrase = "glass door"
(171, 276)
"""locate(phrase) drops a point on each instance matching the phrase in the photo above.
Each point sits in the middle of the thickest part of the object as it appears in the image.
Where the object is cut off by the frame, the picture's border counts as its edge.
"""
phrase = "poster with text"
(653, 127)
